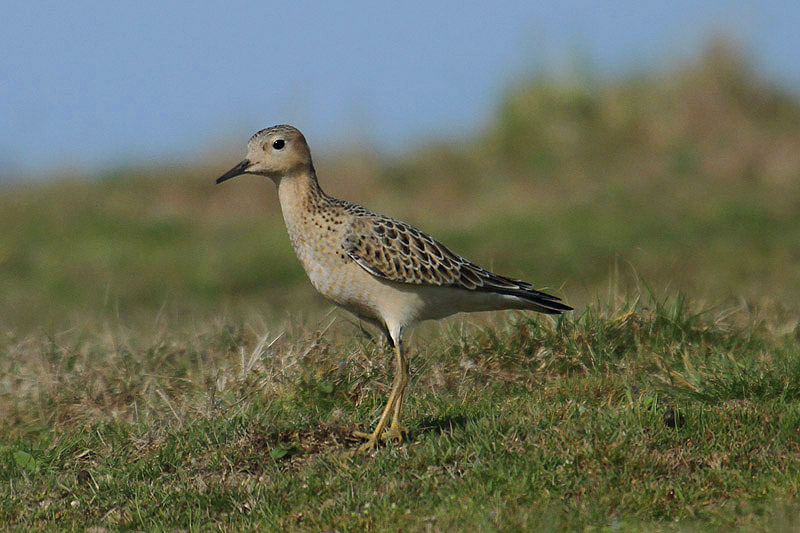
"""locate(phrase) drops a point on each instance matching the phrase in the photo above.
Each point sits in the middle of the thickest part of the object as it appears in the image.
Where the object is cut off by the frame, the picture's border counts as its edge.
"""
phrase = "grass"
(628, 417)
(164, 363)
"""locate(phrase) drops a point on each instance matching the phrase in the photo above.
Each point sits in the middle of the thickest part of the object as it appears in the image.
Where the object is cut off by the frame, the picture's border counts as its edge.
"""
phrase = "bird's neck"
(299, 193)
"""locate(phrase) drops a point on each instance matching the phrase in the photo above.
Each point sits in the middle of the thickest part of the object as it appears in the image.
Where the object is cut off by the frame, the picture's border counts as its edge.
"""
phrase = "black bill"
(241, 168)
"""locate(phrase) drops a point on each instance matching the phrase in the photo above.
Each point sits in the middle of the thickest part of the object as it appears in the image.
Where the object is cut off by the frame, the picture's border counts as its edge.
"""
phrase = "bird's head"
(274, 152)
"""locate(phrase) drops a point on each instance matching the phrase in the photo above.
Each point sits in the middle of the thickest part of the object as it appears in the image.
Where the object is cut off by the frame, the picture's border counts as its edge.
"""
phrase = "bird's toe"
(396, 432)
(370, 445)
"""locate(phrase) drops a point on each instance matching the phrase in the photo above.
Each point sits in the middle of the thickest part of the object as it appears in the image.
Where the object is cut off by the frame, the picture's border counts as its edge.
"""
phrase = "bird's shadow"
(443, 424)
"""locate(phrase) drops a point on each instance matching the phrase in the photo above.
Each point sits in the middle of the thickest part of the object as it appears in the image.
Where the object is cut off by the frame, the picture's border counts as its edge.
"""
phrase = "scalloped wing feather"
(393, 250)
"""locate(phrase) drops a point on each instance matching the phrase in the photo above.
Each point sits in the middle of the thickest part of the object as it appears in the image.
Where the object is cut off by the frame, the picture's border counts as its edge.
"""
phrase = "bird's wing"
(393, 250)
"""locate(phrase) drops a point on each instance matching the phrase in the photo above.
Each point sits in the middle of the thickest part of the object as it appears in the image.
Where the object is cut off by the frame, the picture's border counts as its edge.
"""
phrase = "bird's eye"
(278, 144)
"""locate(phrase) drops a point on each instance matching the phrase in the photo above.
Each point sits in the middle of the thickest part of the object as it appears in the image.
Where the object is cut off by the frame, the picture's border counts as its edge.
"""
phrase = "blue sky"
(90, 85)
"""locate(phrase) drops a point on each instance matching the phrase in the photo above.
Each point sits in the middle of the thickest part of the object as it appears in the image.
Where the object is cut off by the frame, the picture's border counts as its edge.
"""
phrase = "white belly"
(399, 304)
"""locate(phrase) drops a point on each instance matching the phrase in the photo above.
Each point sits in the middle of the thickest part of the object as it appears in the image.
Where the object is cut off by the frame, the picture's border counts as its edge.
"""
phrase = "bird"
(384, 271)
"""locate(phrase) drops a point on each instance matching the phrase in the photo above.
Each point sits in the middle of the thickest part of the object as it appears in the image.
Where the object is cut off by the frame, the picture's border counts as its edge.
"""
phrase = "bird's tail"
(536, 300)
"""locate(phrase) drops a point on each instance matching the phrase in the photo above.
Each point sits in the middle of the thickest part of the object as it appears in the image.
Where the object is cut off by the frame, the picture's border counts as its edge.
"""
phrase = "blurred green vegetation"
(689, 179)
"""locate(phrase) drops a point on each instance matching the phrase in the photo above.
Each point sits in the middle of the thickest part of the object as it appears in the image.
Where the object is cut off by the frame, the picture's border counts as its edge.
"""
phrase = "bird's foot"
(396, 432)
(368, 446)
(371, 438)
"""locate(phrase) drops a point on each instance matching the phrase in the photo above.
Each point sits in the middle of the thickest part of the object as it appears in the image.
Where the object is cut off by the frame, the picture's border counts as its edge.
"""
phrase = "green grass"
(524, 423)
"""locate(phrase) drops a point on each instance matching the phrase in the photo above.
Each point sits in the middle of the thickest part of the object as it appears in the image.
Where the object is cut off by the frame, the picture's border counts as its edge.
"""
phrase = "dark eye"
(278, 144)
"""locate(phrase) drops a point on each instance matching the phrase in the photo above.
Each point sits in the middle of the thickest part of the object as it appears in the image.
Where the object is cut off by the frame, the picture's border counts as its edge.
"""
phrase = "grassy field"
(164, 363)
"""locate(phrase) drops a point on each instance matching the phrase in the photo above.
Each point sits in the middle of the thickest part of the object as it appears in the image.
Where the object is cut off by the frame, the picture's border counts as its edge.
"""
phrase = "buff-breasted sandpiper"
(383, 270)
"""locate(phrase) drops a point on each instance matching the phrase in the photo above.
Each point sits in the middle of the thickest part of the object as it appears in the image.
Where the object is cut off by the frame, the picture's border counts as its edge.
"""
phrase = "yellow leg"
(372, 438)
(395, 397)
(396, 430)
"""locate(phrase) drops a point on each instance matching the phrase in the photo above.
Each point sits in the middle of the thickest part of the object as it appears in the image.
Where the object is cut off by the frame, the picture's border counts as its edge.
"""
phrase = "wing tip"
(542, 301)
(553, 308)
